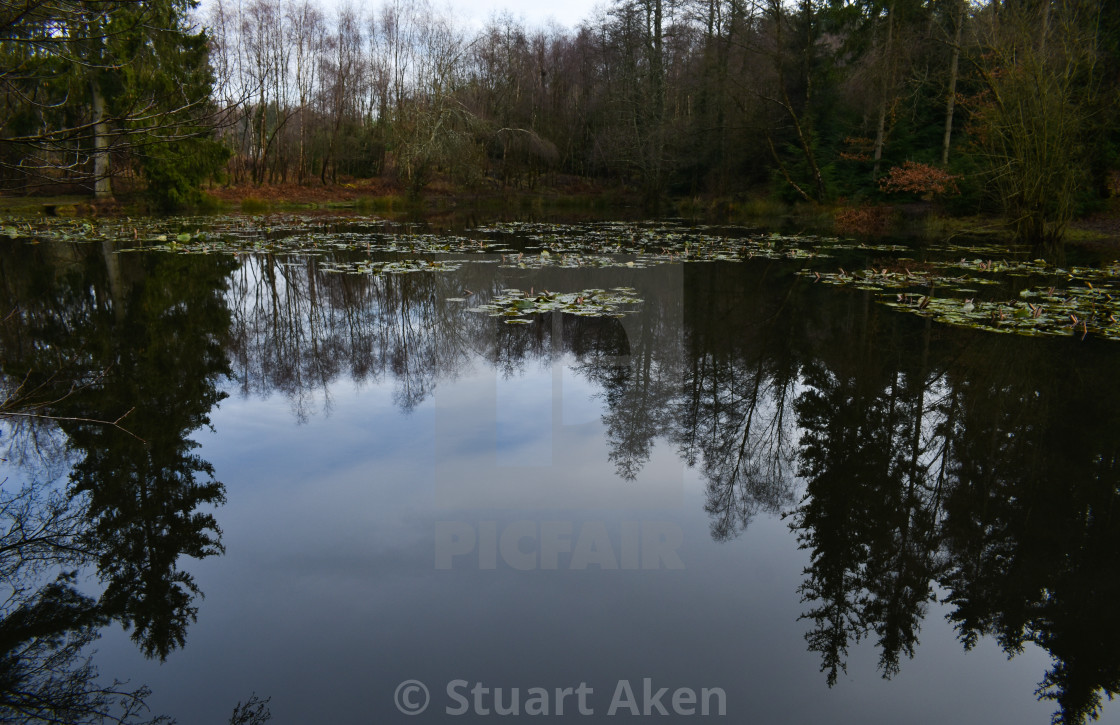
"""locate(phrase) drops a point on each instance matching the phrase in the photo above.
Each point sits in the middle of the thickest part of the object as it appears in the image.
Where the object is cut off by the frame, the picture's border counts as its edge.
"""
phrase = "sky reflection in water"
(949, 474)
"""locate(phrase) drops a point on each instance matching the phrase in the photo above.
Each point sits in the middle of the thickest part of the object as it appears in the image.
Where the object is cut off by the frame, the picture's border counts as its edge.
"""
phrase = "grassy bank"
(561, 195)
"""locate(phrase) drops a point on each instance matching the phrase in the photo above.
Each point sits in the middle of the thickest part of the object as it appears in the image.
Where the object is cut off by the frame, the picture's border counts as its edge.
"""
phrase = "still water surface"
(760, 493)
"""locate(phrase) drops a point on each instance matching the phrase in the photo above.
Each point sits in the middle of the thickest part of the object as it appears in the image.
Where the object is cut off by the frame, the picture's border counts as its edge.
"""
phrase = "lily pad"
(519, 305)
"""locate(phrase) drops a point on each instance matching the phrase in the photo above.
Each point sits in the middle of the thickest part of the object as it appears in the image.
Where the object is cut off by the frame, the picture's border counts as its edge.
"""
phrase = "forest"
(1004, 107)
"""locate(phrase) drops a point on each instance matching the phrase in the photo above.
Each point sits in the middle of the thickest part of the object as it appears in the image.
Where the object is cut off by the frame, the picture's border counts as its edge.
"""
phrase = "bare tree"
(307, 38)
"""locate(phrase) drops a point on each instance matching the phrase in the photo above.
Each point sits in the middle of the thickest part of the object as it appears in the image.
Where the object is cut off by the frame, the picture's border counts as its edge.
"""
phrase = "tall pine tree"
(90, 87)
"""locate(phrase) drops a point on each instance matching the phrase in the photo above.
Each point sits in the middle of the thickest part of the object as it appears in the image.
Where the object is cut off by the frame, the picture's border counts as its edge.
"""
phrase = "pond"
(588, 471)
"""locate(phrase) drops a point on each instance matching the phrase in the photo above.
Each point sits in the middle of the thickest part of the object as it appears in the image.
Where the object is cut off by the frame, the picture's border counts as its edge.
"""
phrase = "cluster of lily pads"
(587, 245)
(68, 230)
(616, 244)
(1072, 305)
(996, 292)
(522, 245)
(123, 230)
(519, 307)
(310, 243)
(400, 266)
(1062, 316)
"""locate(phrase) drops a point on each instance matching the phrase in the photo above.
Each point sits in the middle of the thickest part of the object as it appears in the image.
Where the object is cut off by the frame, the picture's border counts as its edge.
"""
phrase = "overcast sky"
(535, 13)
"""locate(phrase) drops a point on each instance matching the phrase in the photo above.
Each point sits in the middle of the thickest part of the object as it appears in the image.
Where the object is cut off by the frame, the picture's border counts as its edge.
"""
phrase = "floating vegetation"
(644, 245)
(402, 266)
(321, 243)
(885, 279)
(1001, 290)
(1072, 306)
(1053, 315)
(522, 245)
(60, 229)
(518, 307)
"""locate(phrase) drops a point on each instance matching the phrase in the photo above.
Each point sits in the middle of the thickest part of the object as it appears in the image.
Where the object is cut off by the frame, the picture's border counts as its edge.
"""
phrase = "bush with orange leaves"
(916, 178)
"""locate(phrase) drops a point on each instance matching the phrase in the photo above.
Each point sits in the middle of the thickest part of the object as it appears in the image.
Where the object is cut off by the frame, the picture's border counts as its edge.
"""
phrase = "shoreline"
(1098, 231)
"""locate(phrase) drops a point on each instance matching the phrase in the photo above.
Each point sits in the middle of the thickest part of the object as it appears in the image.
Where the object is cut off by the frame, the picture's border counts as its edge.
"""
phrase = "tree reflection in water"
(913, 461)
(974, 467)
(95, 334)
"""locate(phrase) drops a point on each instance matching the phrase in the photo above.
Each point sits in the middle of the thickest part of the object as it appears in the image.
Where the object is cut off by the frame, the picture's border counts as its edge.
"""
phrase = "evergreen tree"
(86, 86)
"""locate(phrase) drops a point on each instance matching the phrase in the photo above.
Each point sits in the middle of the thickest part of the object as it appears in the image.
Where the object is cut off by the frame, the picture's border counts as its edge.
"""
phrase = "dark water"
(766, 496)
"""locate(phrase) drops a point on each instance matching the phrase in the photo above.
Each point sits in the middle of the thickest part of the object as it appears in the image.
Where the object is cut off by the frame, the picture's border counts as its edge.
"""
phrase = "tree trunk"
(302, 124)
(880, 133)
(954, 67)
(117, 291)
(654, 162)
(102, 185)
(886, 91)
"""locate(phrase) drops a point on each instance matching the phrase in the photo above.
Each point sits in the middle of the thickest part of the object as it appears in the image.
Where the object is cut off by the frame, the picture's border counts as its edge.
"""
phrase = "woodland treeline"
(991, 106)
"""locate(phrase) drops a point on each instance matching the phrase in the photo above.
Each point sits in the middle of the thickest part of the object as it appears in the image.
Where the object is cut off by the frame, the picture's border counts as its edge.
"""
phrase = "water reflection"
(914, 463)
(296, 329)
(976, 469)
(90, 336)
(160, 343)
